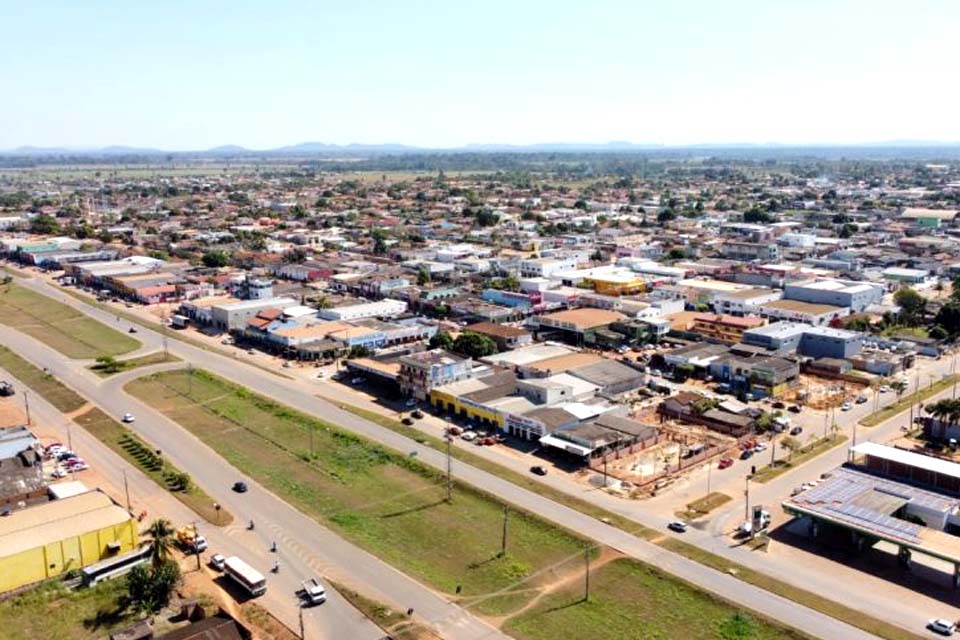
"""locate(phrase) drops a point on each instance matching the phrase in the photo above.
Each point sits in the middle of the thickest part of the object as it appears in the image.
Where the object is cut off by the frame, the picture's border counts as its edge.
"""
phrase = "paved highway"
(108, 471)
(211, 471)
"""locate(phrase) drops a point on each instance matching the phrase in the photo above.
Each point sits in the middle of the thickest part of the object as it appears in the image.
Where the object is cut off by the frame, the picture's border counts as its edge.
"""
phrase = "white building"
(378, 309)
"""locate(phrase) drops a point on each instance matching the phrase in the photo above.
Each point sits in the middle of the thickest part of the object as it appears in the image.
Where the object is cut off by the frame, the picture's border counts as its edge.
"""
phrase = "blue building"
(806, 340)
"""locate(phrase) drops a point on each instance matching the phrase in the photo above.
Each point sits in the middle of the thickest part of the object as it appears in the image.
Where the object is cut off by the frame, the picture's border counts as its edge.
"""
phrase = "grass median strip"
(702, 506)
(52, 390)
(108, 366)
(395, 624)
(904, 403)
(801, 596)
(386, 502)
(131, 448)
(60, 327)
(802, 455)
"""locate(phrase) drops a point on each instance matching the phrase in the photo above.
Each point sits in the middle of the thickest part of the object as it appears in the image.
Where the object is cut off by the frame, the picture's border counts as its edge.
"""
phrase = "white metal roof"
(909, 458)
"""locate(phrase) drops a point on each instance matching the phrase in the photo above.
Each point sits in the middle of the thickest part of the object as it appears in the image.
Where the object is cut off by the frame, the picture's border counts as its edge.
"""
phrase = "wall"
(40, 563)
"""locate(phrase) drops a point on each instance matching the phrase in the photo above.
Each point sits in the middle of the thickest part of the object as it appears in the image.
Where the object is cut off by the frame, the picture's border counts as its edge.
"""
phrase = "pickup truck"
(313, 591)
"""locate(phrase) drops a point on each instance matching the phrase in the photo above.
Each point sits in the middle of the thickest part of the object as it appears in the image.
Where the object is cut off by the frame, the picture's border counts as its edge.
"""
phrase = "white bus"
(245, 575)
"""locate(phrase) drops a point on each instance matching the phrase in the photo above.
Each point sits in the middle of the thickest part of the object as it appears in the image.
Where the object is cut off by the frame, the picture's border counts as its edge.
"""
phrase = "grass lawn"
(129, 446)
(134, 363)
(801, 456)
(631, 600)
(702, 506)
(383, 501)
(52, 611)
(60, 327)
(821, 603)
(904, 403)
(518, 479)
(53, 391)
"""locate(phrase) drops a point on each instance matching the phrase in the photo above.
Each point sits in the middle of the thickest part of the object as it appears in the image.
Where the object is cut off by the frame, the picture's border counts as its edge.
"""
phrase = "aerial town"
(508, 320)
(499, 388)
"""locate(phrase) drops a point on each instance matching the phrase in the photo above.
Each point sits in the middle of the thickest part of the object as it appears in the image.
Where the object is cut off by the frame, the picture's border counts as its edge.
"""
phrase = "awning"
(565, 445)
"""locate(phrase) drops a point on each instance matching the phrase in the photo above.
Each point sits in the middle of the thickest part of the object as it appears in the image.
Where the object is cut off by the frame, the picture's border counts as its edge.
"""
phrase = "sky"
(184, 75)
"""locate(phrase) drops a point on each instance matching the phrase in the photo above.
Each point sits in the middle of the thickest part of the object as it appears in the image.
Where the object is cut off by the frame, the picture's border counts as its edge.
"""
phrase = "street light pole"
(26, 402)
(126, 488)
(503, 540)
(747, 500)
(449, 477)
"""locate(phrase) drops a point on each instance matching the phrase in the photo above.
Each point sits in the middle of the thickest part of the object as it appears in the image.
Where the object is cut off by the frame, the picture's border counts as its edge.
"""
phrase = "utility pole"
(604, 471)
(503, 540)
(586, 576)
(449, 476)
(126, 488)
(709, 467)
(26, 402)
(196, 533)
(746, 506)
(300, 611)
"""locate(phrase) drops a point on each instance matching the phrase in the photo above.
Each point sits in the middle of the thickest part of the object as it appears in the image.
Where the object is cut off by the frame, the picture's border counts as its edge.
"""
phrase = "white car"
(411, 402)
(217, 561)
(941, 626)
(59, 472)
(846, 406)
(128, 418)
(469, 436)
(884, 389)
(761, 446)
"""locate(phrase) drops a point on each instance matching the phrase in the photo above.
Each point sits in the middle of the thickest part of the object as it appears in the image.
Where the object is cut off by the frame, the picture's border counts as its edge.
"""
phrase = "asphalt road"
(212, 472)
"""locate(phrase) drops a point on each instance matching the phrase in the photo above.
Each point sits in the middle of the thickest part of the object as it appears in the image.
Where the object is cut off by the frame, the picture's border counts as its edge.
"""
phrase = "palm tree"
(899, 386)
(160, 539)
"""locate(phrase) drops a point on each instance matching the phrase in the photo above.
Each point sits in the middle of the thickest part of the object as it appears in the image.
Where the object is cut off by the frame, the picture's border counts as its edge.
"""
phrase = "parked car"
(416, 413)
(678, 525)
(538, 470)
(861, 399)
(846, 406)
(794, 408)
(761, 446)
(77, 465)
(240, 487)
(454, 430)
(746, 454)
(884, 389)
(796, 431)
(778, 405)
(356, 381)
(407, 421)
(469, 436)
(725, 463)
(128, 418)
(411, 402)
(217, 561)
(941, 626)
(6, 389)
(59, 472)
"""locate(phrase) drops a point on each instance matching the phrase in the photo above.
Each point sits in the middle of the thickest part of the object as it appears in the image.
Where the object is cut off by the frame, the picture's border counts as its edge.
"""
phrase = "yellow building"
(617, 284)
(48, 539)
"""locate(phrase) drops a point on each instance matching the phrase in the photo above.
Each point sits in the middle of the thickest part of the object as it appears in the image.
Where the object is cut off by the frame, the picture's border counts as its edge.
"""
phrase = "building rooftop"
(51, 522)
(584, 318)
(907, 458)
(802, 307)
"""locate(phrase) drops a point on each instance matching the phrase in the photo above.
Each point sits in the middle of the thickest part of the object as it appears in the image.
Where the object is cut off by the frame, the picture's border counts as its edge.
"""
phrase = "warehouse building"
(49, 539)
(838, 293)
(807, 340)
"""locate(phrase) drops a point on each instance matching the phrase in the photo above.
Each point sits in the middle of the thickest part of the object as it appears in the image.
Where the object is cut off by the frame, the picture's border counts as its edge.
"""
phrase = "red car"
(725, 462)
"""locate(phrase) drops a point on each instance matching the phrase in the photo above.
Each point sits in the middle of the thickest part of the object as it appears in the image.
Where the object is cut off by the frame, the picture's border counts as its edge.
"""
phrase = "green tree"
(474, 345)
(160, 540)
(45, 225)
(676, 254)
(912, 305)
(423, 276)
(949, 318)
(149, 589)
(379, 241)
(791, 444)
(441, 340)
(217, 258)
(108, 364)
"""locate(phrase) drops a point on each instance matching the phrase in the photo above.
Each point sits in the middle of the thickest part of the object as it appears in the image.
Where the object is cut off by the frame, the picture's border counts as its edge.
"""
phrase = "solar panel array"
(878, 522)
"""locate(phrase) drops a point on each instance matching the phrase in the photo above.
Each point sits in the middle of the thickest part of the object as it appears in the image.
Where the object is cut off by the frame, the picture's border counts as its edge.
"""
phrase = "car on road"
(416, 413)
(941, 626)
(407, 421)
(217, 561)
(778, 405)
(846, 406)
(538, 470)
(796, 431)
(761, 446)
(313, 592)
(794, 408)
(469, 436)
(746, 454)
(861, 399)
(132, 330)
(6, 389)
(240, 487)
(884, 389)
(454, 430)
(678, 525)
(725, 463)
(128, 418)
